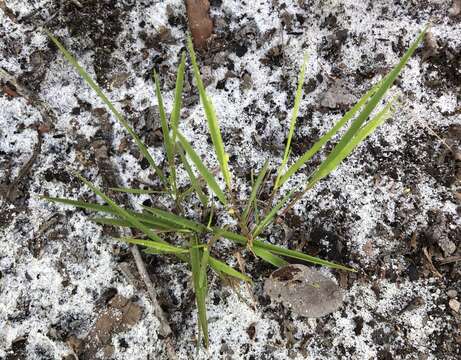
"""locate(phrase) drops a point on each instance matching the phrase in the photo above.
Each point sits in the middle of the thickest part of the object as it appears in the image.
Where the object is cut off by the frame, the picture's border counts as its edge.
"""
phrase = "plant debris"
(338, 96)
(120, 315)
(200, 23)
(305, 291)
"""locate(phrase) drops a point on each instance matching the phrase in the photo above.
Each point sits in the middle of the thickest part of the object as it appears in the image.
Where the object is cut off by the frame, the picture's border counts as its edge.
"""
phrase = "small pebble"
(454, 305)
(452, 294)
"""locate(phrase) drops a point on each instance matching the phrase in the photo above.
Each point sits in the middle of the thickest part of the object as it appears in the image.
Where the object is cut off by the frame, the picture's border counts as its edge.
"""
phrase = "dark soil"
(418, 243)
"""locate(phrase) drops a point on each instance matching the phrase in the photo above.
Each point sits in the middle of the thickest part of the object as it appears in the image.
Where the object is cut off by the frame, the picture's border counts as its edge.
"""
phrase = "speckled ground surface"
(391, 210)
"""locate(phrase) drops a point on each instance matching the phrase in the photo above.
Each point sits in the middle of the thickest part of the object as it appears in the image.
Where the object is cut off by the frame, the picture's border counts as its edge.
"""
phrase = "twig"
(426, 125)
(7, 11)
(449, 260)
(12, 188)
(165, 329)
(101, 150)
(126, 271)
(430, 264)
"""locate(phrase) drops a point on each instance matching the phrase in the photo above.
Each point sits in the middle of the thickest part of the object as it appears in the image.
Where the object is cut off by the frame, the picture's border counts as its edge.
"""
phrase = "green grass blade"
(177, 220)
(325, 138)
(193, 180)
(158, 226)
(255, 202)
(254, 191)
(163, 120)
(370, 106)
(301, 256)
(157, 246)
(240, 239)
(120, 211)
(226, 269)
(204, 266)
(137, 191)
(145, 218)
(175, 114)
(361, 135)
(166, 132)
(294, 116)
(200, 291)
(259, 228)
(80, 204)
(212, 120)
(237, 238)
(267, 256)
(206, 174)
(82, 72)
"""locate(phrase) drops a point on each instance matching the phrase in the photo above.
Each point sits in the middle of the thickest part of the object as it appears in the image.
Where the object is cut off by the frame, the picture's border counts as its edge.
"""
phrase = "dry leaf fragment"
(454, 305)
(414, 241)
(120, 315)
(368, 248)
(9, 90)
(430, 264)
(200, 23)
(337, 96)
(455, 9)
(306, 291)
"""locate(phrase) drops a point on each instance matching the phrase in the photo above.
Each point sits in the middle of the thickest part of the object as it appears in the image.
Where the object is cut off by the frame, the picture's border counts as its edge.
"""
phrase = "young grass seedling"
(161, 229)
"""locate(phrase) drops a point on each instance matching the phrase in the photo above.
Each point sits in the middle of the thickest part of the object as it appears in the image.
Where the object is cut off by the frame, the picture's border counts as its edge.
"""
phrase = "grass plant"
(161, 231)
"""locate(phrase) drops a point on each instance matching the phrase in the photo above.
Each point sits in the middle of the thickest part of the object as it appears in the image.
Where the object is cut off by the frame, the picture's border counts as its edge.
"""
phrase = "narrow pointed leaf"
(226, 269)
(200, 291)
(361, 135)
(146, 218)
(137, 191)
(204, 266)
(175, 114)
(159, 226)
(301, 256)
(82, 72)
(294, 116)
(120, 211)
(110, 221)
(254, 191)
(202, 169)
(80, 204)
(325, 138)
(166, 132)
(370, 106)
(278, 250)
(269, 257)
(210, 114)
(158, 246)
(179, 221)
(193, 180)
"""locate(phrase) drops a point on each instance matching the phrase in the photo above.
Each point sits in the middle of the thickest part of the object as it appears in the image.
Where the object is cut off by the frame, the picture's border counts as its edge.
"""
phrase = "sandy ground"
(391, 210)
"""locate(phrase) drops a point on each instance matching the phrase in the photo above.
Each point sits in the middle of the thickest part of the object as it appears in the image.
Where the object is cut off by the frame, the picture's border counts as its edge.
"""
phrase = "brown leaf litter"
(200, 23)
(120, 315)
(306, 291)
